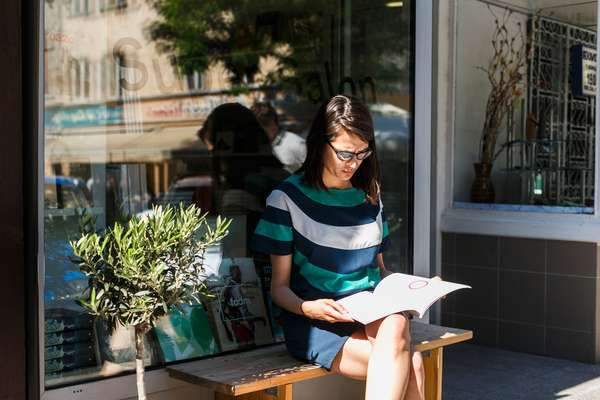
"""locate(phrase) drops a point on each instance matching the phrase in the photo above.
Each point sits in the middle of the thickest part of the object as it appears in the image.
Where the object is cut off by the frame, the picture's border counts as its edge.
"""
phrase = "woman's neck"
(332, 182)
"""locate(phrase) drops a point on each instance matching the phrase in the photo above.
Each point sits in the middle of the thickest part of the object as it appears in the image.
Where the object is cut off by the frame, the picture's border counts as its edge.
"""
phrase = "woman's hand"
(326, 310)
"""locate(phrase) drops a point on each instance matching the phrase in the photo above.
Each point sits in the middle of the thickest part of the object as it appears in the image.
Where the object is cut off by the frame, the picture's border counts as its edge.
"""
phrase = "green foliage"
(139, 271)
(238, 33)
(297, 34)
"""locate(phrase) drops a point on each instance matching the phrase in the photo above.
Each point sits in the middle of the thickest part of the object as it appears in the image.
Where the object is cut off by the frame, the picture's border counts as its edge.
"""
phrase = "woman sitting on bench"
(325, 230)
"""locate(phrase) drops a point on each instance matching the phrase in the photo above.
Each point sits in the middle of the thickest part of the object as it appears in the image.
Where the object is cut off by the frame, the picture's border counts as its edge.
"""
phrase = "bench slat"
(271, 366)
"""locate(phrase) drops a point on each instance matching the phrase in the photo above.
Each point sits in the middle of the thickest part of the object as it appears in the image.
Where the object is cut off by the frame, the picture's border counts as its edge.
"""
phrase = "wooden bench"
(268, 373)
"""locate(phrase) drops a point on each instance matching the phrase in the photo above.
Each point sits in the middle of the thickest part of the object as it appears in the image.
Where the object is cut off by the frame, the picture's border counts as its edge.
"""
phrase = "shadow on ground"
(473, 372)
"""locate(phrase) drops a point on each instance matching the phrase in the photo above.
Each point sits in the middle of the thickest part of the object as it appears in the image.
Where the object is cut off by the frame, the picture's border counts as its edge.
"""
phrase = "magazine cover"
(186, 334)
(238, 308)
(272, 308)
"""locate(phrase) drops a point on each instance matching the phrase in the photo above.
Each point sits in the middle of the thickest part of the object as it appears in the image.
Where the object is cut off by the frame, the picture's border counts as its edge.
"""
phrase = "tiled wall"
(529, 295)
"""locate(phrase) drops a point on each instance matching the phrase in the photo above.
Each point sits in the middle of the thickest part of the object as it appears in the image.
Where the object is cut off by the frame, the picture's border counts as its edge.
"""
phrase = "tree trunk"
(139, 361)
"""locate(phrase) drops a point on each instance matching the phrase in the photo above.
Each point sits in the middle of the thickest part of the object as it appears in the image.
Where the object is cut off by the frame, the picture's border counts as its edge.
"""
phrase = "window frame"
(157, 378)
(578, 227)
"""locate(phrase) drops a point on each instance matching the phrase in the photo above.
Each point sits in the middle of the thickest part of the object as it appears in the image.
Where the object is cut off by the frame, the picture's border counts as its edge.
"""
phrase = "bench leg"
(433, 374)
(283, 392)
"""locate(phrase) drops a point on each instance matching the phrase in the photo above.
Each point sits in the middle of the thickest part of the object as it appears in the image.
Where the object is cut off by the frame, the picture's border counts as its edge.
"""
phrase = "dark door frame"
(18, 206)
(12, 236)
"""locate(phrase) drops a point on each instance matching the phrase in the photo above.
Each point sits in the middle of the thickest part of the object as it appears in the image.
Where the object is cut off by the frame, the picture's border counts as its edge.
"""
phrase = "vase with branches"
(504, 71)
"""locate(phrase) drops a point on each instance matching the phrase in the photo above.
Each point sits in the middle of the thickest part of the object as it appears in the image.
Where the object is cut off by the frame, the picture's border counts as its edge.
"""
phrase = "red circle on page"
(417, 284)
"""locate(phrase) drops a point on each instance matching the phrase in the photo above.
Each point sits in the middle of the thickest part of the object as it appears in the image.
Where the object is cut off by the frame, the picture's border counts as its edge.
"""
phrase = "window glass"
(524, 133)
(152, 103)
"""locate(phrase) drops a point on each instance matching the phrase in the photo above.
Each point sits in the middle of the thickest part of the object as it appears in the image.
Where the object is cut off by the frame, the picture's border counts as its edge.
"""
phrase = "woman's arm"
(383, 271)
(280, 284)
(284, 297)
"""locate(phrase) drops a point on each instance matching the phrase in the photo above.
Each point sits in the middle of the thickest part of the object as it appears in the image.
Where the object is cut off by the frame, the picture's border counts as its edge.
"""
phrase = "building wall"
(530, 295)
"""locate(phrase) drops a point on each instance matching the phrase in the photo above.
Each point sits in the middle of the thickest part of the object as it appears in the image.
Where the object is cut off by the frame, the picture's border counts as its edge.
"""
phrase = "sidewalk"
(473, 372)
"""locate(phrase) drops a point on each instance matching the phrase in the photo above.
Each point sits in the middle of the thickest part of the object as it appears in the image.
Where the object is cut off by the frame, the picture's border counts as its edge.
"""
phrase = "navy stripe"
(335, 260)
(277, 216)
(263, 244)
(365, 213)
(303, 289)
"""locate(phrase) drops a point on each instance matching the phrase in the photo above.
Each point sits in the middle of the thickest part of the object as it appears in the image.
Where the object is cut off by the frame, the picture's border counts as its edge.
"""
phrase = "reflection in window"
(79, 78)
(543, 159)
(194, 81)
(82, 7)
(106, 5)
(156, 135)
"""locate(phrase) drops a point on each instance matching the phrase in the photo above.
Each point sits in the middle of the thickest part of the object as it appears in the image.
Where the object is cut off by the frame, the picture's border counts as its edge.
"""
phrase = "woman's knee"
(394, 330)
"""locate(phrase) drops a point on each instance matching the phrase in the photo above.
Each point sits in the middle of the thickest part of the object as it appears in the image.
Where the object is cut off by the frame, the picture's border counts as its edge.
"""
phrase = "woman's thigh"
(353, 359)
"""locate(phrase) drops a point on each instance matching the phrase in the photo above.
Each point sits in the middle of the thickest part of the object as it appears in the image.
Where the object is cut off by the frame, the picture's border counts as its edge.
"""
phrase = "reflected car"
(197, 189)
(64, 197)
(65, 192)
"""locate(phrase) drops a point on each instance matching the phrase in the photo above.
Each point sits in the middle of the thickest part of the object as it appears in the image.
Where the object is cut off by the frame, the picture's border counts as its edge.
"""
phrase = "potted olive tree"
(139, 271)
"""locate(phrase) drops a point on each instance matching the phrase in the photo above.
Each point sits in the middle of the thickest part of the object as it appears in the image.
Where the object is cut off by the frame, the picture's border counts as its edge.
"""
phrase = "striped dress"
(334, 236)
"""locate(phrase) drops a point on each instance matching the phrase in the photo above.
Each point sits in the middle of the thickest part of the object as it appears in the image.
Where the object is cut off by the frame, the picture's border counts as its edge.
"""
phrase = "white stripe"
(338, 237)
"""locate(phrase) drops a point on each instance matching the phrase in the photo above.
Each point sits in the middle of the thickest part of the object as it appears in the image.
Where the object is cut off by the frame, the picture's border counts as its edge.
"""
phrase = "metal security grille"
(561, 156)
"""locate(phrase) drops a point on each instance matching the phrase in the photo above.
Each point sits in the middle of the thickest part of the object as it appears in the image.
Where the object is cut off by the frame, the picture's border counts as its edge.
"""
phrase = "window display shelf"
(523, 208)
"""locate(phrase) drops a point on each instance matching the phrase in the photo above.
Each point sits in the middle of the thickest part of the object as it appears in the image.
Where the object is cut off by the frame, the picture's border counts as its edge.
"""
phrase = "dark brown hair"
(348, 113)
(265, 113)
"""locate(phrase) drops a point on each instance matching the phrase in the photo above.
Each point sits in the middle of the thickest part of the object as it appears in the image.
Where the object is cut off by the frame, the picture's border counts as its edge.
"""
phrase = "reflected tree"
(308, 40)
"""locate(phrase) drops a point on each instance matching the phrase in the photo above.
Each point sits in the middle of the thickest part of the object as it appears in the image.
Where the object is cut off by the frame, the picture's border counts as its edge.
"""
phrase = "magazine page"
(360, 306)
(425, 292)
(186, 334)
(238, 309)
(273, 310)
(396, 293)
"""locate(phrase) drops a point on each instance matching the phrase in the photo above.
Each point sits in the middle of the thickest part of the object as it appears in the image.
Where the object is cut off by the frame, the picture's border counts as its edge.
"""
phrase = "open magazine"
(396, 293)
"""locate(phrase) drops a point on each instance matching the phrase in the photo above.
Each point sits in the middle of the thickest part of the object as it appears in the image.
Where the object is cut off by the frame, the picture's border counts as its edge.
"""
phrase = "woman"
(325, 232)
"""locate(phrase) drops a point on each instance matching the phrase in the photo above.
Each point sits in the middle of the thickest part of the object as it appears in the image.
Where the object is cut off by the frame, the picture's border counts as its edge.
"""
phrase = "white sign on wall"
(583, 64)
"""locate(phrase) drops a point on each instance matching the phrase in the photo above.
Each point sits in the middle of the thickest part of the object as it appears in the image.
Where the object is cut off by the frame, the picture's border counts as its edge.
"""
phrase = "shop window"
(543, 125)
(153, 138)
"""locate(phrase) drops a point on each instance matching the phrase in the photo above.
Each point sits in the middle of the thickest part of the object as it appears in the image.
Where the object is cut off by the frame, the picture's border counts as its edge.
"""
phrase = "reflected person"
(288, 147)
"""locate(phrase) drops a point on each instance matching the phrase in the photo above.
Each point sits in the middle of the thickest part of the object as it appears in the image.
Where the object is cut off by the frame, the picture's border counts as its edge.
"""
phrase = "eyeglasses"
(349, 155)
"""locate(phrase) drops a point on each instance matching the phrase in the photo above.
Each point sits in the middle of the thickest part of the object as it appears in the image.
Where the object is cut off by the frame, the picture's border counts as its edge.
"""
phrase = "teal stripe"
(350, 197)
(274, 231)
(332, 282)
(386, 229)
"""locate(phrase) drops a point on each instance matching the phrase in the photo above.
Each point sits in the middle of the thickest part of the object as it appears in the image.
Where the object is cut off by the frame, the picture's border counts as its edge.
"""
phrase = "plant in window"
(139, 271)
(505, 72)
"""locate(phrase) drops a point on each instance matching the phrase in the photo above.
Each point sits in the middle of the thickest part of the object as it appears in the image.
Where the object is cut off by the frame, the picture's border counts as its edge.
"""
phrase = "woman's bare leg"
(416, 382)
(353, 361)
(390, 362)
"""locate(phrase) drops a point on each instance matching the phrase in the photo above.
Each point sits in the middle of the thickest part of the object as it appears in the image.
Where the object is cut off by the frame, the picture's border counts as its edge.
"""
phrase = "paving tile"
(487, 373)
